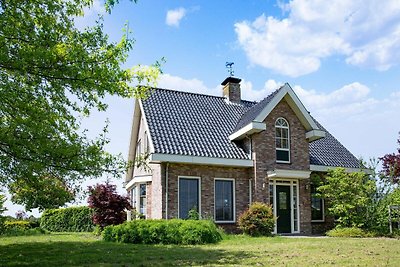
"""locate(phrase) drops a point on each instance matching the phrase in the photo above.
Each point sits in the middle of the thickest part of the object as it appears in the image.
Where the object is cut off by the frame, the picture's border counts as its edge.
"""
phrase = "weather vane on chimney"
(228, 65)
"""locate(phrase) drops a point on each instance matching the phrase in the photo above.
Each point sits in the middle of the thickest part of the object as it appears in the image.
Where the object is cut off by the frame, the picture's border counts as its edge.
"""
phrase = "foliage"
(2, 209)
(176, 231)
(41, 192)
(348, 232)
(391, 165)
(51, 76)
(20, 224)
(257, 220)
(349, 195)
(109, 207)
(73, 219)
(193, 214)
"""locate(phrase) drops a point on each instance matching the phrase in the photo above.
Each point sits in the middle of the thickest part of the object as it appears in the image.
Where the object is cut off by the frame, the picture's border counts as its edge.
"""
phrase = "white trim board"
(200, 160)
(322, 168)
(252, 127)
(278, 173)
(138, 179)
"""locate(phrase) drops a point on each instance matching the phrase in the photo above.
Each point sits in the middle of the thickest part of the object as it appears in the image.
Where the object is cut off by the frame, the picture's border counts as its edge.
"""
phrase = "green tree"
(349, 195)
(51, 75)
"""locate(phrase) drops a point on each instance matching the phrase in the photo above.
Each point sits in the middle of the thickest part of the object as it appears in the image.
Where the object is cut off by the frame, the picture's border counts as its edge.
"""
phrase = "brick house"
(218, 154)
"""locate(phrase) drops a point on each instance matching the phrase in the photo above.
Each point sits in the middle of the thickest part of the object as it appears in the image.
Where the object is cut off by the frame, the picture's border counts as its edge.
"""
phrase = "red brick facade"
(162, 205)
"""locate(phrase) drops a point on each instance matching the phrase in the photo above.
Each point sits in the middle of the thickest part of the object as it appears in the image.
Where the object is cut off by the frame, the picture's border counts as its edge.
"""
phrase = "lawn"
(73, 249)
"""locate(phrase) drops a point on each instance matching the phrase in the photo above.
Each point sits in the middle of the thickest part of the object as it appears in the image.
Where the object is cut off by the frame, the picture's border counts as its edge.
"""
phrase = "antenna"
(228, 65)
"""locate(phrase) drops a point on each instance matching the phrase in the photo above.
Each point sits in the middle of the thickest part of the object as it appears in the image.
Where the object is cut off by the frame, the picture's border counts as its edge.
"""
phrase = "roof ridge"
(194, 93)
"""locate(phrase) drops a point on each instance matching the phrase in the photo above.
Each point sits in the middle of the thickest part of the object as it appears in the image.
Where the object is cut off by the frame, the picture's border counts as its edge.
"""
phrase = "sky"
(340, 57)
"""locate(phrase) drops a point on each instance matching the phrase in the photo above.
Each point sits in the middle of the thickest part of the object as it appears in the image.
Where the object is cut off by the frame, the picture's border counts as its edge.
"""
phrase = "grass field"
(73, 249)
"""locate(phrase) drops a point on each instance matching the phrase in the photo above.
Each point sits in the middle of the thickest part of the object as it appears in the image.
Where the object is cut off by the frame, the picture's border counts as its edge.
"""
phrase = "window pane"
(282, 155)
(223, 200)
(278, 132)
(188, 196)
(316, 205)
(143, 190)
(285, 143)
(278, 143)
(285, 133)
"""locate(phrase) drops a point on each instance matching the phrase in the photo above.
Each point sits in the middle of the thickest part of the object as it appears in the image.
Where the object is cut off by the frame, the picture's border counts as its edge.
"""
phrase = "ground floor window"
(189, 196)
(317, 206)
(224, 200)
(142, 199)
(138, 197)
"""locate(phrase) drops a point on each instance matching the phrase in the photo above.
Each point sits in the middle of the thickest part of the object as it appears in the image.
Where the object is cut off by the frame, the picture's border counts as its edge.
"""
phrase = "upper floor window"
(282, 140)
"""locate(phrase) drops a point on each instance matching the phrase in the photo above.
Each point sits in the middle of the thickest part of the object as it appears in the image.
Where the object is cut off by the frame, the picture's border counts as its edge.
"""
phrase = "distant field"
(84, 249)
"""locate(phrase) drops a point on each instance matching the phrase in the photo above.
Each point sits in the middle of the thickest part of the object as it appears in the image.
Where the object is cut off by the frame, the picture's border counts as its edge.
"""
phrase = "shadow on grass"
(101, 253)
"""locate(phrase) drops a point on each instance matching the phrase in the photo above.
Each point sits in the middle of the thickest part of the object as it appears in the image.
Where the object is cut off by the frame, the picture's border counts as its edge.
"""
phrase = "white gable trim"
(157, 157)
(294, 174)
(297, 106)
(146, 125)
(252, 127)
(137, 113)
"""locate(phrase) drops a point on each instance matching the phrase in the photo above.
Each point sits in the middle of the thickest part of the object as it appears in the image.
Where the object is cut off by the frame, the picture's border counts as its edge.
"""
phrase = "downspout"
(166, 190)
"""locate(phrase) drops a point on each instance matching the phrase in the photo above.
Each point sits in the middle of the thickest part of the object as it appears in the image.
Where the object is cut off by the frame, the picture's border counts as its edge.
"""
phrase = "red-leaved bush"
(391, 165)
(109, 207)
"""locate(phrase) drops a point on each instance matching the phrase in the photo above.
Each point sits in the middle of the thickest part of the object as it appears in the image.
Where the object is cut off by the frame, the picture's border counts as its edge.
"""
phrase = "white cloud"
(366, 33)
(175, 16)
(194, 85)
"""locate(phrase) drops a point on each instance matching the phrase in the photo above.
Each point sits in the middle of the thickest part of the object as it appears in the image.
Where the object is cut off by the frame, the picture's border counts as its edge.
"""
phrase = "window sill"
(318, 221)
(286, 162)
(225, 222)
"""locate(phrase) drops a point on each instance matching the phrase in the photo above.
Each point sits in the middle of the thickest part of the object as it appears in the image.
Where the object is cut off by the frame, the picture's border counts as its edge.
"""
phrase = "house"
(218, 154)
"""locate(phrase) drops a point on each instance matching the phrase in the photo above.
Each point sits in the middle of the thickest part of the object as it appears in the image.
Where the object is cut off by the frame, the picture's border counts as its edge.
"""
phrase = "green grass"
(85, 249)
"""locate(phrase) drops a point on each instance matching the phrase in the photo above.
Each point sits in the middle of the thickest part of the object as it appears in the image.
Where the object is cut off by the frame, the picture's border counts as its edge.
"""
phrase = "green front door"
(283, 209)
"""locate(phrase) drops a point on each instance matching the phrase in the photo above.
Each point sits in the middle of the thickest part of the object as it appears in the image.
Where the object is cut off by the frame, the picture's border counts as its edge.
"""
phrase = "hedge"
(73, 219)
(187, 232)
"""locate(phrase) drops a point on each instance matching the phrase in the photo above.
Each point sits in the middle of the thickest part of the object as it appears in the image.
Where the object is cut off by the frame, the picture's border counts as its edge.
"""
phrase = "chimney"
(231, 89)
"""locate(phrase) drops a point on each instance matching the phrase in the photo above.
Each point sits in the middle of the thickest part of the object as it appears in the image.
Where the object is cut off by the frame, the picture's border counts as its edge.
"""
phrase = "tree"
(391, 166)
(349, 195)
(109, 207)
(41, 192)
(52, 74)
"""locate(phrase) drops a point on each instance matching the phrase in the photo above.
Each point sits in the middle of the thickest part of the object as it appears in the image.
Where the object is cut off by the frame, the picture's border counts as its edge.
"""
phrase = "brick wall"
(207, 174)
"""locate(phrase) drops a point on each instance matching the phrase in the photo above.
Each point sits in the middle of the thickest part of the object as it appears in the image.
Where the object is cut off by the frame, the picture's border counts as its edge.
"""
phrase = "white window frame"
(283, 149)
(323, 209)
(291, 183)
(233, 200)
(199, 181)
(139, 196)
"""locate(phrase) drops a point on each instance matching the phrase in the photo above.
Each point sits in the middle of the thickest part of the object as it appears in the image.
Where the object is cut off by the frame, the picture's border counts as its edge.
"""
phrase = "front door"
(283, 209)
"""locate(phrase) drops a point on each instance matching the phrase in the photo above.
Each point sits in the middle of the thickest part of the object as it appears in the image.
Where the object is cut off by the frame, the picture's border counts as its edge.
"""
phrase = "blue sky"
(341, 58)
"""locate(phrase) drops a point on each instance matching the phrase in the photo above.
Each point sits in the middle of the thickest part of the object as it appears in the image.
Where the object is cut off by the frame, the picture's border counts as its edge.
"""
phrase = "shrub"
(348, 232)
(73, 219)
(20, 224)
(109, 207)
(187, 232)
(24, 232)
(257, 220)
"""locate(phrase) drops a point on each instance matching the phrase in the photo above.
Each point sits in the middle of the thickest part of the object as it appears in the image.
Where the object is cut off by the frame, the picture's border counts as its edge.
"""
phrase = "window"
(224, 200)
(189, 196)
(317, 206)
(133, 197)
(142, 199)
(282, 140)
(139, 148)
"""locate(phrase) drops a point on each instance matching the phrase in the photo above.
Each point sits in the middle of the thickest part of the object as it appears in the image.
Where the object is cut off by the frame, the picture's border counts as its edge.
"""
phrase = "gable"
(252, 121)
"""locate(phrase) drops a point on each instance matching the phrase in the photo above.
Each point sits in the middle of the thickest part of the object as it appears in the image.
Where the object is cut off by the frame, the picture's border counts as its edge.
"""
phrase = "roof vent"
(231, 89)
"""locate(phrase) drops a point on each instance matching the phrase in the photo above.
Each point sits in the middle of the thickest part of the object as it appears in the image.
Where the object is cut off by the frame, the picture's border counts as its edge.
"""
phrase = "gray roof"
(182, 123)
